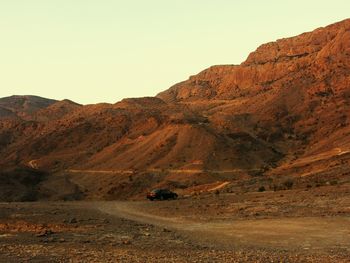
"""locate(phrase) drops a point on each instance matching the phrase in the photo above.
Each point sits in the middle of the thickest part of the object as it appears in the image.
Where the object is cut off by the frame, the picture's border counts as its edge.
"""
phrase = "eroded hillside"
(283, 112)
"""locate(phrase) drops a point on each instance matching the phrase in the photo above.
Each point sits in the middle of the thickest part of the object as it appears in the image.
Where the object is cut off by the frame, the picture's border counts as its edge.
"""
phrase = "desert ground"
(301, 225)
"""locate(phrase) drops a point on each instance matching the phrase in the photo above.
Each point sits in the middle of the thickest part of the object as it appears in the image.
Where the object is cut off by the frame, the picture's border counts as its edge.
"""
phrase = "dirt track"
(288, 226)
(285, 233)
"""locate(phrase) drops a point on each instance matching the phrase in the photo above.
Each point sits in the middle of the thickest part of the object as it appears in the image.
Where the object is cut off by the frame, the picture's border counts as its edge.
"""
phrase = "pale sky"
(94, 51)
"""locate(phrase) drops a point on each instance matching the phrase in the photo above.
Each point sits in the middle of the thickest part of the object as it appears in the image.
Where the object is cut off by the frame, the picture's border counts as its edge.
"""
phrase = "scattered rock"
(48, 240)
(73, 221)
(126, 242)
(45, 233)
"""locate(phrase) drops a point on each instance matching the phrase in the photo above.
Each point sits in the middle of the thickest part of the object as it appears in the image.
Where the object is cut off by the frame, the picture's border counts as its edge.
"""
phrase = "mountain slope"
(23, 106)
(295, 88)
(283, 112)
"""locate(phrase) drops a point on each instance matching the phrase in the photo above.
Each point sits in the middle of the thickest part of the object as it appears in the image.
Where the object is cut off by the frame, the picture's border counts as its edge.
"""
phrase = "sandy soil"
(284, 226)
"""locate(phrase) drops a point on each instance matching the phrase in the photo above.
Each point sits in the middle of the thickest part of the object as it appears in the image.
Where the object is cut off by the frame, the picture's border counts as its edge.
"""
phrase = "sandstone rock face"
(285, 110)
(315, 56)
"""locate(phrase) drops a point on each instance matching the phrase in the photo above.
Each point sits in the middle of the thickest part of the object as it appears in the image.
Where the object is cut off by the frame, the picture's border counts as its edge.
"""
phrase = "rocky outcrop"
(306, 61)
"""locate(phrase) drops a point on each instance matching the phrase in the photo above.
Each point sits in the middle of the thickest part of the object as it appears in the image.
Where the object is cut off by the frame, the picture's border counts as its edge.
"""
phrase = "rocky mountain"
(22, 106)
(283, 112)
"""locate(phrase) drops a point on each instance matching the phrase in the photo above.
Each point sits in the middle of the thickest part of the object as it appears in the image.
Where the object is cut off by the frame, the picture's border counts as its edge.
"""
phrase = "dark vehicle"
(161, 194)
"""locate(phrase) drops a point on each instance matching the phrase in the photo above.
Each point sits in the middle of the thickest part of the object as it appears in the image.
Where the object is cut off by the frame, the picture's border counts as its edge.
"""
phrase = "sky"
(92, 51)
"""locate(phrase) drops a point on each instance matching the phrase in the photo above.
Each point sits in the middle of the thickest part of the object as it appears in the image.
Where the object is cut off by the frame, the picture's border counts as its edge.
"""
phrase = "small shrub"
(275, 187)
(288, 183)
(334, 182)
(262, 189)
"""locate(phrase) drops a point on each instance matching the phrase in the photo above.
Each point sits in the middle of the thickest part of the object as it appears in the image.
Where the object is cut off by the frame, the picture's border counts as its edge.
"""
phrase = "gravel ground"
(178, 231)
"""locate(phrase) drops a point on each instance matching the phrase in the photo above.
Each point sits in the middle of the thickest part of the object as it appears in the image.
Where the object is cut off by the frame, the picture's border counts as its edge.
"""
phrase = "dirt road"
(306, 233)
